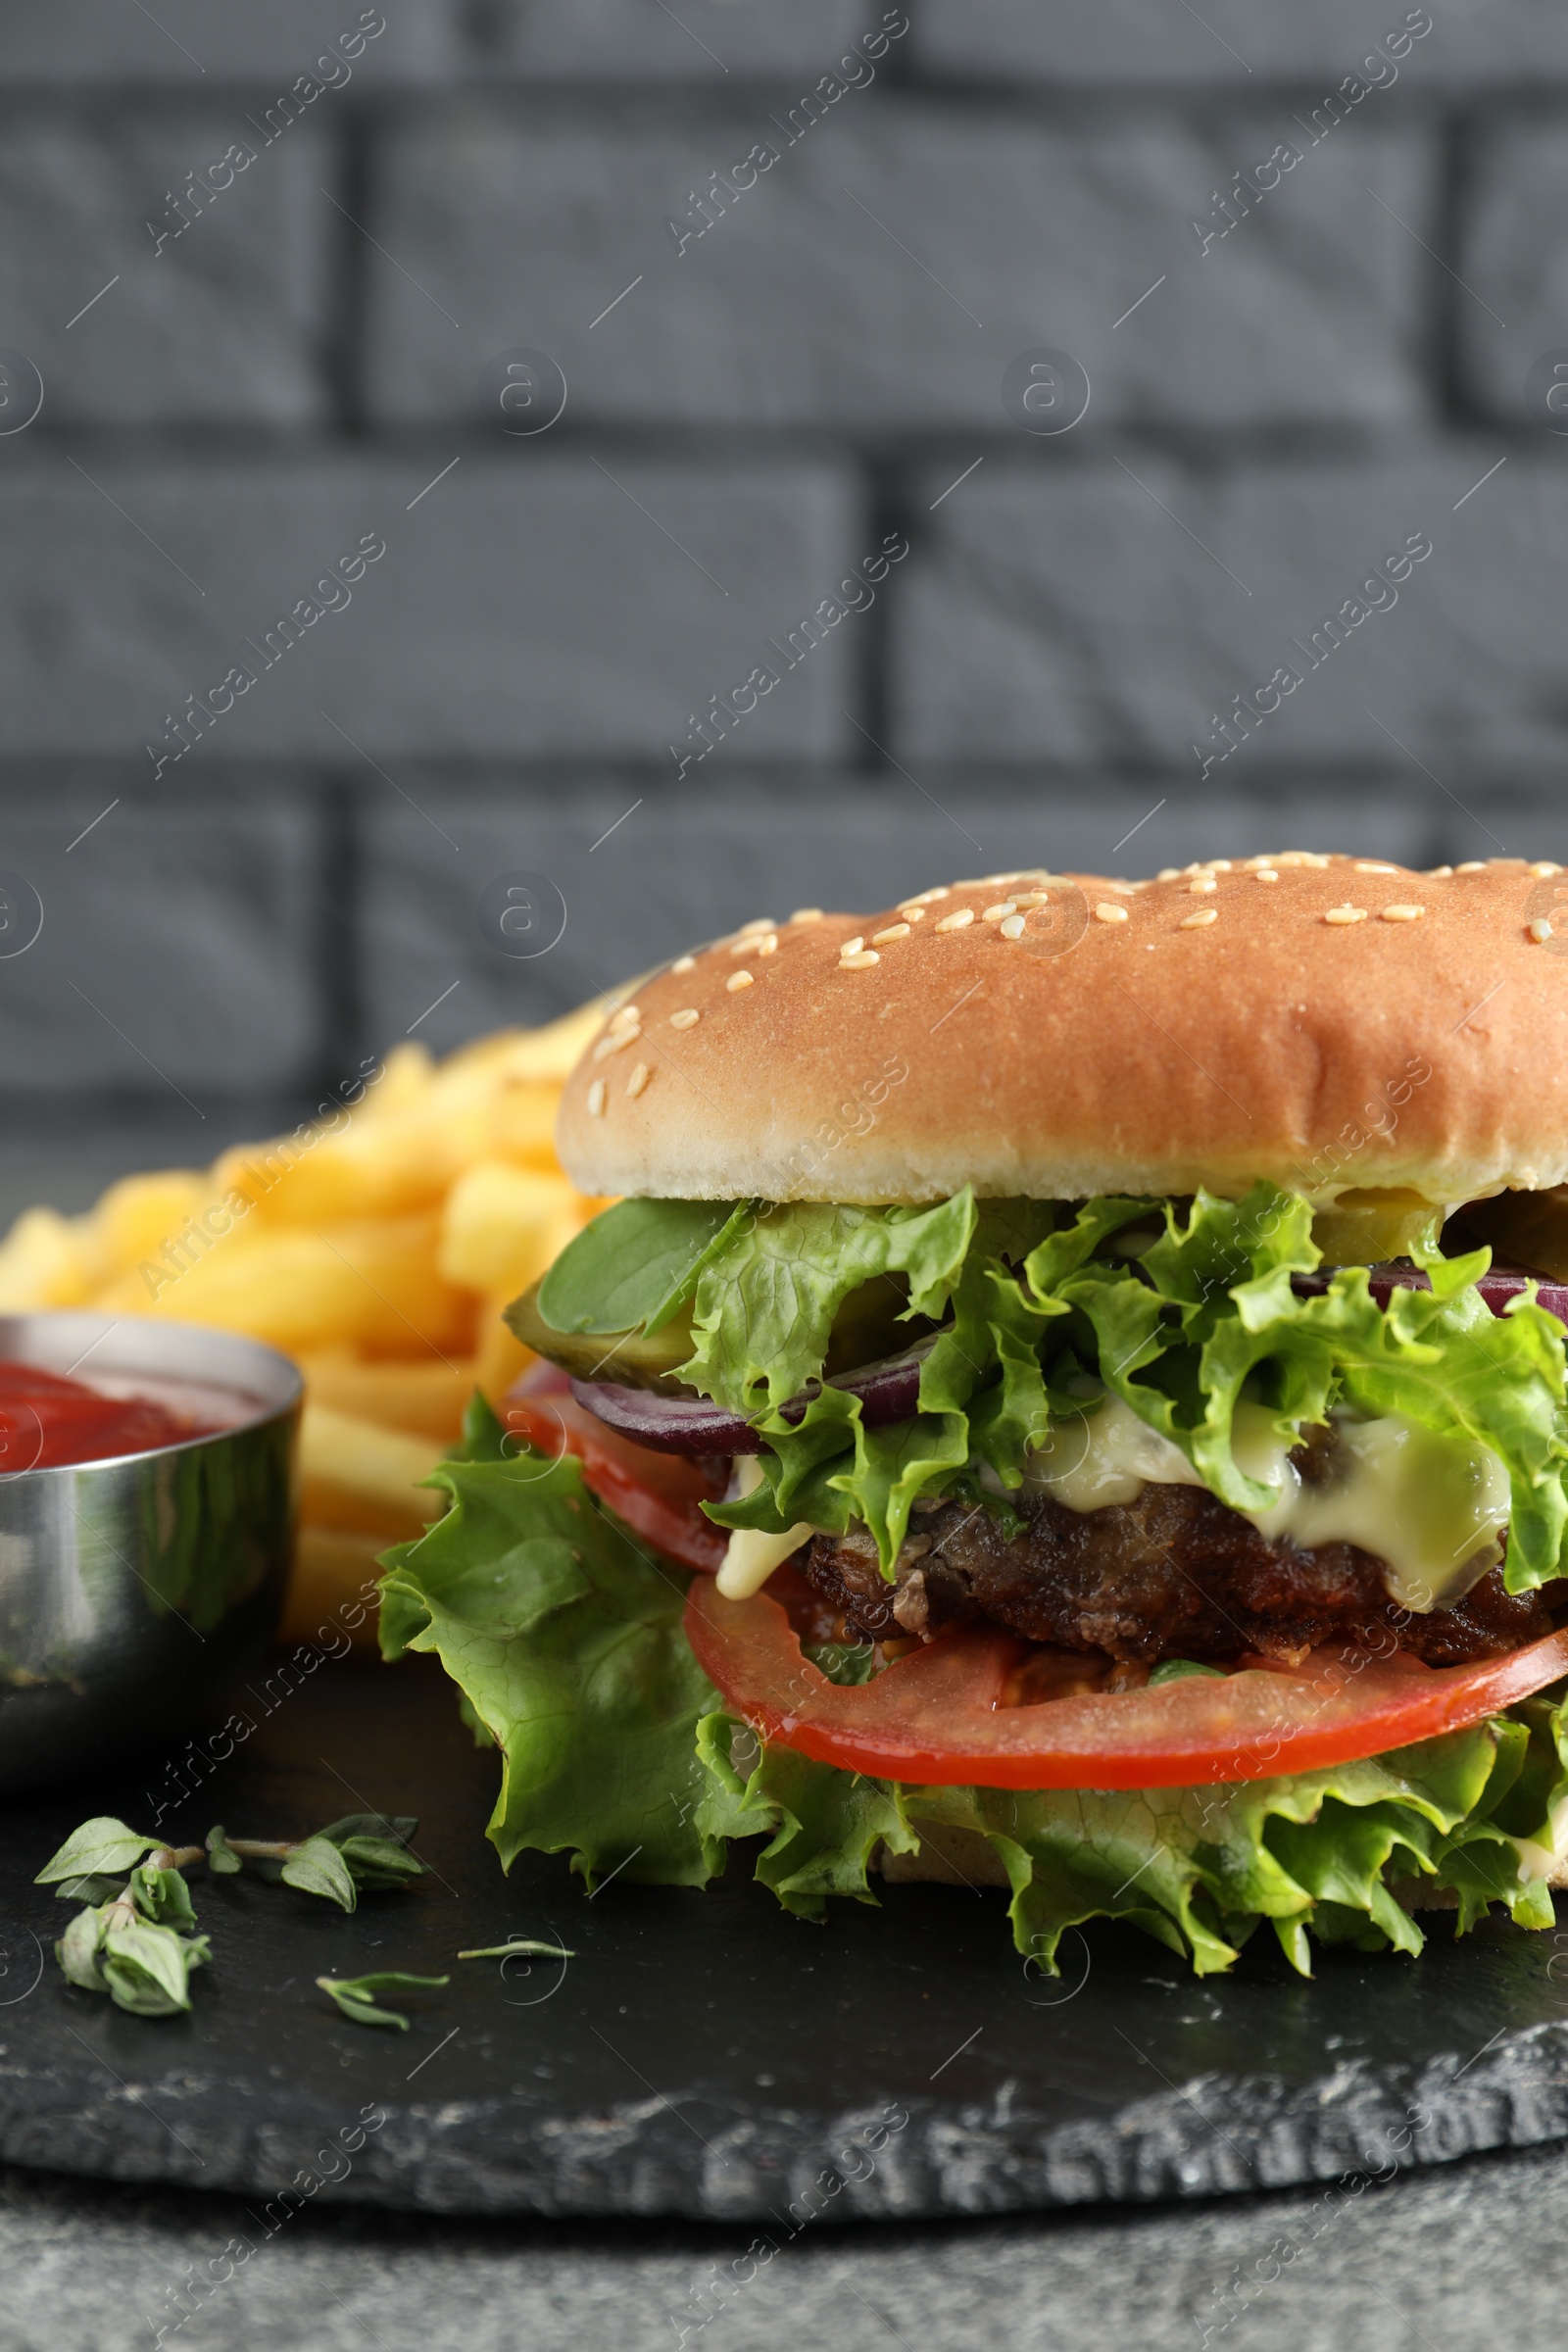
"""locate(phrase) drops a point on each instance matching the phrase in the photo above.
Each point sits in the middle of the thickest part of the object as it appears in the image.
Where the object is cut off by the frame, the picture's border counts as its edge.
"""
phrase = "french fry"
(377, 1245)
(45, 1261)
(358, 1474)
(522, 1121)
(501, 1359)
(138, 1217)
(373, 1282)
(426, 1401)
(502, 1226)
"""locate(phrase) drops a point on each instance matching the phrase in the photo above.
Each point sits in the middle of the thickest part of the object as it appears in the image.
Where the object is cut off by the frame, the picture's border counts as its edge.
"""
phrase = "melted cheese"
(752, 1557)
(1109, 1457)
(1428, 1508)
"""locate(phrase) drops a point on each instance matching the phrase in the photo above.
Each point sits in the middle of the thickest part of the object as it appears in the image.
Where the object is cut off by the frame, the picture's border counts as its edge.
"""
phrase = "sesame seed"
(1472, 866)
(626, 1015)
(1198, 918)
(1402, 915)
(684, 964)
(596, 1100)
(614, 1041)
(1299, 858)
(759, 922)
(852, 947)
(755, 943)
(1000, 913)
(1266, 873)
(685, 1020)
(958, 923)
(1011, 927)
(1169, 873)
(862, 963)
(912, 915)
(1219, 865)
(1539, 930)
(1441, 873)
(1107, 913)
(881, 939)
(807, 914)
(1366, 865)
(1542, 868)
(926, 898)
(638, 1080)
(1033, 898)
(1203, 883)
(739, 980)
(1346, 914)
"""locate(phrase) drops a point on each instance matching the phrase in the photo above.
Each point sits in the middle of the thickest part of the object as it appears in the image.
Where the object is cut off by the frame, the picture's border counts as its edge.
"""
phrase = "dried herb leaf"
(318, 1868)
(101, 1846)
(355, 1995)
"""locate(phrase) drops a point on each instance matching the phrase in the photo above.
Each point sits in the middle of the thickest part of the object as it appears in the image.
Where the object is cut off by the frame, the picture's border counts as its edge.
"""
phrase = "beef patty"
(1175, 1574)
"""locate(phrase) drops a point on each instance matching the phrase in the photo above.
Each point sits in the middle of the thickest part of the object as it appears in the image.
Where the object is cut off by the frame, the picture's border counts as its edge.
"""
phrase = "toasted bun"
(1210, 1027)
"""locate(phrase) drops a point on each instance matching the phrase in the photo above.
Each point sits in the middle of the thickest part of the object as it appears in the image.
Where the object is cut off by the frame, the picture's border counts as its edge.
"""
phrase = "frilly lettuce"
(1031, 1301)
(563, 1636)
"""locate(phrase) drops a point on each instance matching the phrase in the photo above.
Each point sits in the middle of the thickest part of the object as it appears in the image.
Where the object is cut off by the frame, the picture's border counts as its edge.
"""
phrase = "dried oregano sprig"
(133, 1943)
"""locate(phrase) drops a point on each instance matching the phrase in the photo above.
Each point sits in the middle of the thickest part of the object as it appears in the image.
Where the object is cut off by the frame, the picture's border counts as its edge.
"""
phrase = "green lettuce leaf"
(1197, 1869)
(1181, 1328)
(636, 1264)
(1211, 1314)
(824, 1826)
(766, 1298)
(565, 1636)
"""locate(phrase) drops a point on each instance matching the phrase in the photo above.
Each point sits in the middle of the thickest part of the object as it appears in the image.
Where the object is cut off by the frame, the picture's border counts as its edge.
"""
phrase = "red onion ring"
(888, 1391)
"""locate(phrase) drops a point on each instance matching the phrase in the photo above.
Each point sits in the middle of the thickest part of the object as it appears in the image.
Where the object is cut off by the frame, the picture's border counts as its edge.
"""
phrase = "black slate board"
(704, 2055)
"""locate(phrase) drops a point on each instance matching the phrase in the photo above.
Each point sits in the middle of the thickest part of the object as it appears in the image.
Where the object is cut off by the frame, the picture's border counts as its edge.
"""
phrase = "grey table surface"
(1461, 2256)
(1449, 2258)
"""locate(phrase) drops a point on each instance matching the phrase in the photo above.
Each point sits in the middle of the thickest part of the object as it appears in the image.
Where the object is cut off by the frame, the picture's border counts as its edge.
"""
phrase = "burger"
(1067, 1392)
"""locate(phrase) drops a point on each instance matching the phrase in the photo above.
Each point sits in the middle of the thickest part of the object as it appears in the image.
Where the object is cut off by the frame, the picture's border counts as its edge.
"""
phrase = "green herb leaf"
(374, 1863)
(147, 1968)
(355, 1995)
(221, 1855)
(161, 1895)
(635, 1264)
(317, 1866)
(519, 1944)
(397, 1827)
(102, 1846)
(1181, 1670)
(77, 1950)
(86, 1891)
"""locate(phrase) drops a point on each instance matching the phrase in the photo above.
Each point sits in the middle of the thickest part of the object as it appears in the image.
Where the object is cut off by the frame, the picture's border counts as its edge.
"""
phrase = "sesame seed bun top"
(1328, 1022)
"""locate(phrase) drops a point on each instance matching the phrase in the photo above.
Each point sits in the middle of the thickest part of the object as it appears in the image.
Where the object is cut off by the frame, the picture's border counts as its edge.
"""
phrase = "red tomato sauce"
(47, 1419)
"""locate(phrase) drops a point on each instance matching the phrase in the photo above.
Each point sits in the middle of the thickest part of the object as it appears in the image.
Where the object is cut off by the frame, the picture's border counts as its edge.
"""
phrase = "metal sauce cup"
(134, 1591)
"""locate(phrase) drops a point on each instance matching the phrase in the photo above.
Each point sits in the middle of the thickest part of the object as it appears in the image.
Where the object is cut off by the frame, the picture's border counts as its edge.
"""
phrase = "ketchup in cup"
(47, 1419)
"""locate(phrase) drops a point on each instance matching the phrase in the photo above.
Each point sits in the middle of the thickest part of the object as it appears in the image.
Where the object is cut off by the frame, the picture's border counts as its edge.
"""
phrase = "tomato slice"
(656, 1495)
(936, 1716)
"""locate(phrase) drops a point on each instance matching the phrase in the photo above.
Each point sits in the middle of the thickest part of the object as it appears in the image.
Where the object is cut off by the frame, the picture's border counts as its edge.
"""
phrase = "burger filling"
(1136, 1430)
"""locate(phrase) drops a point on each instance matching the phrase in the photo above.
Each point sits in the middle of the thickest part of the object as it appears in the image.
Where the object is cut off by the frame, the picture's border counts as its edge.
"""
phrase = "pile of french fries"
(376, 1246)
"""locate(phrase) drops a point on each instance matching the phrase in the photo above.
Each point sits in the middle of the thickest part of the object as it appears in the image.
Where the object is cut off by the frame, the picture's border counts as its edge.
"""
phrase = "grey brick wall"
(269, 259)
